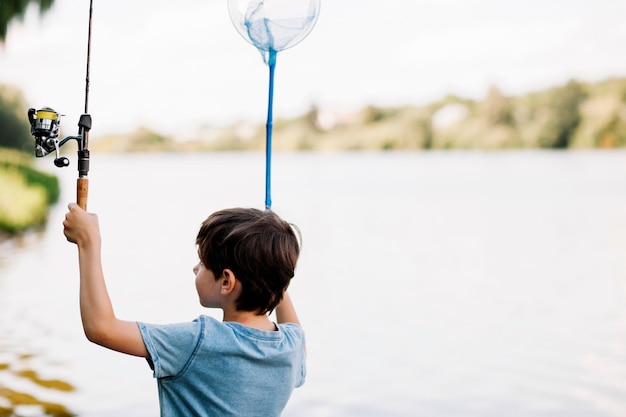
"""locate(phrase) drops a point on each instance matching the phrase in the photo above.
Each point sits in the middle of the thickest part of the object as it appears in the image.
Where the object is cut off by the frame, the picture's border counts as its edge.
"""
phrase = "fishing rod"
(45, 123)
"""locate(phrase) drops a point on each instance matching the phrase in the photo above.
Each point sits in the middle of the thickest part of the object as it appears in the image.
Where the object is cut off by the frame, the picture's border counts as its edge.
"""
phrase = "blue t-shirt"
(211, 368)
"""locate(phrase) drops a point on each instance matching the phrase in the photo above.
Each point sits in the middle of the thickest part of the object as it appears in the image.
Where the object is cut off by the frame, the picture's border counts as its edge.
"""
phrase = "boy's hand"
(81, 227)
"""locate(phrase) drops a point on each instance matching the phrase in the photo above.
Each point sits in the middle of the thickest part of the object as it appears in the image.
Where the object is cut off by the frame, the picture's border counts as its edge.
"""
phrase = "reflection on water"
(458, 284)
(32, 377)
(21, 384)
(21, 404)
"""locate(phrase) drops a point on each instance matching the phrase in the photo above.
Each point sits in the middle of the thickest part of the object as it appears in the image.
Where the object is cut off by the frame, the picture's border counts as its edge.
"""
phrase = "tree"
(15, 132)
(15, 9)
(15, 128)
(498, 109)
(565, 116)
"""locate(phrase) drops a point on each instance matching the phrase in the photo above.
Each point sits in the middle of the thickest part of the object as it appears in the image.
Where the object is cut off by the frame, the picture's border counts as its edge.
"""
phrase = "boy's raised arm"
(286, 312)
(99, 321)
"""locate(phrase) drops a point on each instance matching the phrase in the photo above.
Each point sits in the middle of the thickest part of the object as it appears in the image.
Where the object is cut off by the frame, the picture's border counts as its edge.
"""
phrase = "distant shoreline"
(575, 115)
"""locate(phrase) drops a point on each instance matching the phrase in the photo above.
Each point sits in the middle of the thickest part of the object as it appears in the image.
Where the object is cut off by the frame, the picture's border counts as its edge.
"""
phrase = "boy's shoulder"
(207, 329)
(283, 330)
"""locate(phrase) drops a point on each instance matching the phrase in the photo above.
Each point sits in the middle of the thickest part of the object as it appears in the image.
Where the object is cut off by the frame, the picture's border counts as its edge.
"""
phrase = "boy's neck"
(250, 319)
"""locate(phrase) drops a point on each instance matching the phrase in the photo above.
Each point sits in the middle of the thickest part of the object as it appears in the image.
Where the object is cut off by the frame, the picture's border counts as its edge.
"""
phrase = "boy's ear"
(228, 282)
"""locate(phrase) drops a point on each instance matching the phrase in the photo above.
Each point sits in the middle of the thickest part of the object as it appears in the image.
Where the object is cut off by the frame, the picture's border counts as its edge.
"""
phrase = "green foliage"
(15, 9)
(565, 117)
(15, 132)
(613, 133)
(372, 114)
(498, 109)
(25, 193)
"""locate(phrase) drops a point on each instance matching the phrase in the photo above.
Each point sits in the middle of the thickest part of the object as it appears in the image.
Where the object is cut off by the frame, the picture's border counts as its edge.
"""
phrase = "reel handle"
(61, 162)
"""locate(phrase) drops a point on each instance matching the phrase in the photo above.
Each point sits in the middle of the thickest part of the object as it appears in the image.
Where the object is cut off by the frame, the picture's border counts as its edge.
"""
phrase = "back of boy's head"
(258, 246)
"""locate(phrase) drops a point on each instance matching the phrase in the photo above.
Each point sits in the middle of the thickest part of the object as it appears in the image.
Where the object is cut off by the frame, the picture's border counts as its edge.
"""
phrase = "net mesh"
(273, 25)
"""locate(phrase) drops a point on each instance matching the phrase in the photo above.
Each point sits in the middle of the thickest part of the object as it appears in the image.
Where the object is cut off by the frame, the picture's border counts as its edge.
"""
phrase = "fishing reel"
(44, 126)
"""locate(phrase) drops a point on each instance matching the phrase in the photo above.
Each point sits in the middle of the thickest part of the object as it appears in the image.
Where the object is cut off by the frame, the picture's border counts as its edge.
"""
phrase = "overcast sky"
(174, 66)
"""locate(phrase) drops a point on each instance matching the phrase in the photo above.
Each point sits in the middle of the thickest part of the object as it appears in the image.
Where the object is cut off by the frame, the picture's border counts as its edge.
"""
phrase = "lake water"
(467, 284)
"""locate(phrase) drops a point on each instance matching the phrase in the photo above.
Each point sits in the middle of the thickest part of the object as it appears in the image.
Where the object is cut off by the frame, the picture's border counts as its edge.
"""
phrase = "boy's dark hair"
(258, 246)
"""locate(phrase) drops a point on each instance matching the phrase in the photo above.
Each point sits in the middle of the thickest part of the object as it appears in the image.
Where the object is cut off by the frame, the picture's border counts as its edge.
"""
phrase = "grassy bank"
(25, 193)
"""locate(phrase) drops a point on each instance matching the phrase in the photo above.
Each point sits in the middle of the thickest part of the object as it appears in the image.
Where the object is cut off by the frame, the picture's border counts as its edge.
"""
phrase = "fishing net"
(272, 26)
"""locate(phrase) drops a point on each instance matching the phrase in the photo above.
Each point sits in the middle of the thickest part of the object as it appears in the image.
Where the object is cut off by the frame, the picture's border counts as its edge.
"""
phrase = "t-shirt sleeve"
(170, 345)
(295, 336)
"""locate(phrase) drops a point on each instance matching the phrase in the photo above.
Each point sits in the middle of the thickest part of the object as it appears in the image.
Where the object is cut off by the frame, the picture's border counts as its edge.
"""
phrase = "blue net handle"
(271, 62)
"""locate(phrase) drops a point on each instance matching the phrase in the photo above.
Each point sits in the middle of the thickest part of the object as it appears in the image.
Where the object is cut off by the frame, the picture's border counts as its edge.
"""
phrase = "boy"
(243, 366)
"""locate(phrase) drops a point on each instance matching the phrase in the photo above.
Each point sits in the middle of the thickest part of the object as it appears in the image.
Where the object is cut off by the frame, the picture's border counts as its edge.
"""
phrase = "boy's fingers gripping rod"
(45, 128)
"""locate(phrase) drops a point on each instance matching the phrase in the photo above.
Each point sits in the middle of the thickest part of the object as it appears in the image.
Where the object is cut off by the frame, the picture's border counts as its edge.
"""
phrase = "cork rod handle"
(82, 190)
